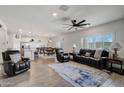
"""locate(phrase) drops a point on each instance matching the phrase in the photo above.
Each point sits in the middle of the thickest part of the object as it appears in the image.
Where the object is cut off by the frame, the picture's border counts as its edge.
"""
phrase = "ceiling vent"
(64, 7)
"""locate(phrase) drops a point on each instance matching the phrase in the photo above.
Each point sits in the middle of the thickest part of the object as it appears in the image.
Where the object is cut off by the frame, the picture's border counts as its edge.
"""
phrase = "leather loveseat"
(12, 68)
(100, 63)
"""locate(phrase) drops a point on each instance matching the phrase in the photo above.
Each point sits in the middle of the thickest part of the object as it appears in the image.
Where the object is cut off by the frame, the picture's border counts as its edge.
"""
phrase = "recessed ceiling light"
(54, 14)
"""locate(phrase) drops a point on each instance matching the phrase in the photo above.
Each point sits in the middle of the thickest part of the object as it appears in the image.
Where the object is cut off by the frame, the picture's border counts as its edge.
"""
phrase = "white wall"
(10, 41)
(3, 43)
(71, 38)
(3, 39)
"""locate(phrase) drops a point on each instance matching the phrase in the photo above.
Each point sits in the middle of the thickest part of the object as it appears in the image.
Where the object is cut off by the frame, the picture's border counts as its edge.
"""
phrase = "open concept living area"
(61, 46)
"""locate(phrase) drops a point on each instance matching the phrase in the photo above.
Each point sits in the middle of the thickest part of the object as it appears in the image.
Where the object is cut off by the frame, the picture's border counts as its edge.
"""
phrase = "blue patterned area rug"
(79, 76)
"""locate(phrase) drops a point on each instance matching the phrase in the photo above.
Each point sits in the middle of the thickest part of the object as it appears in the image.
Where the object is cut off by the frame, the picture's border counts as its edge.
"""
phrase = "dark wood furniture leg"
(111, 67)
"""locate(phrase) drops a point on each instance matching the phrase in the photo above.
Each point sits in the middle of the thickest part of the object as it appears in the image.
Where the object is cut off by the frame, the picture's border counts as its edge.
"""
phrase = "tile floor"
(41, 75)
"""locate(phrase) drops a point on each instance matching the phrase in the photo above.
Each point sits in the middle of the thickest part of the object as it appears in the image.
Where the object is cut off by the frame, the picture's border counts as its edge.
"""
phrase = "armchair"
(61, 56)
(12, 68)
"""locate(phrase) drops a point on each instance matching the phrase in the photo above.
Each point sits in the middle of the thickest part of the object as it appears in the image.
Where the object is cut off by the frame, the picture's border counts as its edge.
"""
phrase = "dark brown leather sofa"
(100, 63)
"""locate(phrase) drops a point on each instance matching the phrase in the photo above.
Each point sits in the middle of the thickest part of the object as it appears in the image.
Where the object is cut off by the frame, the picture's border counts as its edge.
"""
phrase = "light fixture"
(32, 40)
(74, 48)
(54, 14)
(3, 26)
(116, 47)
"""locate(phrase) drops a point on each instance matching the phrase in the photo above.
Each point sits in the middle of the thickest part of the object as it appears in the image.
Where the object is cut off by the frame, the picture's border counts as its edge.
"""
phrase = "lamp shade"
(115, 45)
(74, 46)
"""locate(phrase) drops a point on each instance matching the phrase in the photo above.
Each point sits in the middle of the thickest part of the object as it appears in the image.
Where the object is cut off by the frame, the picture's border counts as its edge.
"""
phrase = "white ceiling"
(39, 20)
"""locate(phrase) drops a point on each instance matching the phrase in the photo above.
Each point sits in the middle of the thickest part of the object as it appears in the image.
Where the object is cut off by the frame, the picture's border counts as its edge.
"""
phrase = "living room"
(62, 46)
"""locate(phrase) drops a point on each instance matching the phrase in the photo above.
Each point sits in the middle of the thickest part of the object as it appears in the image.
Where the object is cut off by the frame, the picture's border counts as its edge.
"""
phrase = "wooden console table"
(118, 61)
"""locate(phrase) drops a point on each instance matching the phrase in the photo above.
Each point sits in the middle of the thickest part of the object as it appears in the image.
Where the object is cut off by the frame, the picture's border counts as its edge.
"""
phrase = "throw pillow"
(15, 57)
(87, 54)
(98, 53)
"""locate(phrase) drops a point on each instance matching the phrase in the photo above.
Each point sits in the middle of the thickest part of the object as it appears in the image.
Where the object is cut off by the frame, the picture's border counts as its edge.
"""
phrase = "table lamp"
(74, 47)
(116, 47)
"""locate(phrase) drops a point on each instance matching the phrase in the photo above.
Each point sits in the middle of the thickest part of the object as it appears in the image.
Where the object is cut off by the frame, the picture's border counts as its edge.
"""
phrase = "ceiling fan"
(76, 24)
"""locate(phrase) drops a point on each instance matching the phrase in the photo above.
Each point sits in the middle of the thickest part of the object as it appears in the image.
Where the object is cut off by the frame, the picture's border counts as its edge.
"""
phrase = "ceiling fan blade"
(80, 26)
(67, 25)
(84, 24)
(81, 22)
(70, 28)
(88, 24)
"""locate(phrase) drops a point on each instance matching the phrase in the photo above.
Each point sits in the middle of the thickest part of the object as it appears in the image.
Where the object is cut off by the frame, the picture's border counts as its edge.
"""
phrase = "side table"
(118, 61)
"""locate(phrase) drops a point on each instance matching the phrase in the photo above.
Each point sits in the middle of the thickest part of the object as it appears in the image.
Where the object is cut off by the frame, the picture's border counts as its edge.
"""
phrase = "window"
(98, 41)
